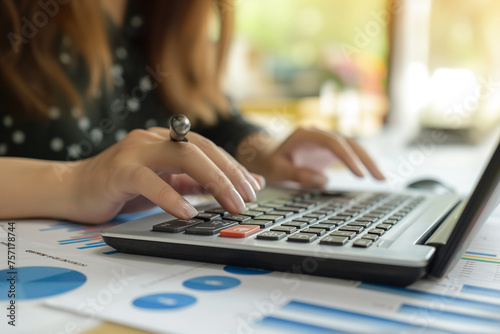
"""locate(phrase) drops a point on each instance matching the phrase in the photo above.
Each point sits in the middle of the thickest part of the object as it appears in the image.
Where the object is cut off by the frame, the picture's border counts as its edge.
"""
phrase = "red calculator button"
(240, 231)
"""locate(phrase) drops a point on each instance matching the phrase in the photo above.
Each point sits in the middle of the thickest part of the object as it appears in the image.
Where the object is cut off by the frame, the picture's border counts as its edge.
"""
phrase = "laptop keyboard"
(339, 219)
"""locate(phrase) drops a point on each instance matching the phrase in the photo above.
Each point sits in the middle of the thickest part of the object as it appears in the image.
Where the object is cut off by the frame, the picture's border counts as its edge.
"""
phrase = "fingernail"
(262, 181)
(253, 182)
(238, 202)
(248, 191)
(319, 180)
(187, 208)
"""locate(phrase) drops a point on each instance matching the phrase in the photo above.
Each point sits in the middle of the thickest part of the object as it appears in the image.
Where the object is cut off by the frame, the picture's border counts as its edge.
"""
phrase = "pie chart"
(208, 283)
(38, 282)
(246, 271)
(164, 301)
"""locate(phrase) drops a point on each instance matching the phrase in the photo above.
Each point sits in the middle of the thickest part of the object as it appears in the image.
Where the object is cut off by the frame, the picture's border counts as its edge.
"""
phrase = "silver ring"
(179, 128)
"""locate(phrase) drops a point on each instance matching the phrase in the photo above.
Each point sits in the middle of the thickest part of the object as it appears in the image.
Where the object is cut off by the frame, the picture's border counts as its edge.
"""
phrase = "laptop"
(388, 238)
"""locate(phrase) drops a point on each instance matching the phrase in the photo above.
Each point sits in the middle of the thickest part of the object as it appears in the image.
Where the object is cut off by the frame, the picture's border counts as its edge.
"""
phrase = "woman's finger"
(335, 143)
(142, 180)
(244, 182)
(257, 181)
(236, 173)
(365, 158)
(186, 157)
(304, 176)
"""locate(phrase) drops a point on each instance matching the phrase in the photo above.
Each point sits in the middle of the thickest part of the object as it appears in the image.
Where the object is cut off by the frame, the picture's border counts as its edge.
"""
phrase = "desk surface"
(114, 281)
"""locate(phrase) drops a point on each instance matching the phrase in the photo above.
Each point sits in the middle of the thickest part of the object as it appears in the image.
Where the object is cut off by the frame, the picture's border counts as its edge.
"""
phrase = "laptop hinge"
(443, 232)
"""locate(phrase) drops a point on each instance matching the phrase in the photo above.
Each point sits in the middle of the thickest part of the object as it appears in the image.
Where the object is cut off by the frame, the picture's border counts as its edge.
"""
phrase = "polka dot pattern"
(56, 144)
(104, 118)
(84, 123)
(3, 149)
(136, 21)
(18, 137)
(65, 58)
(8, 121)
(54, 112)
(120, 134)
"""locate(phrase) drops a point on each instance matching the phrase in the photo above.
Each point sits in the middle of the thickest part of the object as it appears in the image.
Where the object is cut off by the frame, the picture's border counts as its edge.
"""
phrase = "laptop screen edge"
(482, 202)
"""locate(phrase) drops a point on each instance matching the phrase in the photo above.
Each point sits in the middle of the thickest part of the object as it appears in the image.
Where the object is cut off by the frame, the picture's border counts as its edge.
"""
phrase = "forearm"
(35, 188)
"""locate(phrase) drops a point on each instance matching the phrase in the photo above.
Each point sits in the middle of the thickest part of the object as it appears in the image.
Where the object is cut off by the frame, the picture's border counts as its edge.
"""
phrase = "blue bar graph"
(433, 297)
(456, 318)
(287, 326)
(475, 290)
(380, 325)
(100, 244)
(481, 254)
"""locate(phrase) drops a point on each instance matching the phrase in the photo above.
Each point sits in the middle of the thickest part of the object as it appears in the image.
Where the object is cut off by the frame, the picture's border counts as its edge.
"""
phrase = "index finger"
(366, 159)
(333, 142)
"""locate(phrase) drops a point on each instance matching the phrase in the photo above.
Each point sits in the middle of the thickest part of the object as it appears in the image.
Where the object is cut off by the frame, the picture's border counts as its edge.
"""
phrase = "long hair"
(175, 39)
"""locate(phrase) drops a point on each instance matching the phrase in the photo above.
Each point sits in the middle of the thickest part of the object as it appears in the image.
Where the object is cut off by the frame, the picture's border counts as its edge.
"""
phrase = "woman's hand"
(146, 163)
(303, 156)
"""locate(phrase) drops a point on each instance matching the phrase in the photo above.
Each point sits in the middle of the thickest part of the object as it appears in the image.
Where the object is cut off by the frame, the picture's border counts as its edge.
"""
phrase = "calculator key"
(286, 229)
(348, 234)
(297, 224)
(271, 235)
(260, 223)
(217, 209)
(372, 215)
(334, 240)
(332, 193)
(252, 213)
(274, 205)
(351, 212)
(365, 219)
(285, 214)
(362, 243)
(273, 218)
(372, 237)
(317, 231)
(314, 215)
(306, 220)
(239, 231)
(376, 231)
(304, 205)
(251, 205)
(358, 223)
(262, 209)
(342, 216)
(294, 209)
(391, 221)
(281, 201)
(208, 216)
(325, 211)
(302, 237)
(326, 227)
(357, 229)
(332, 207)
(237, 218)
(211, 227)
(379, 212)
(176, 225)
(384, 227)
(332, 221)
